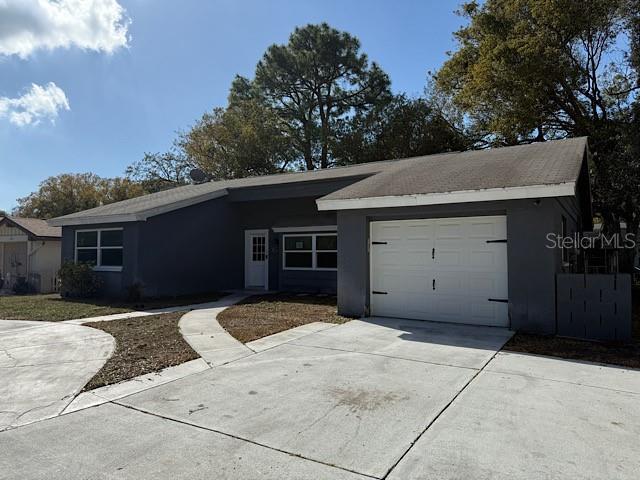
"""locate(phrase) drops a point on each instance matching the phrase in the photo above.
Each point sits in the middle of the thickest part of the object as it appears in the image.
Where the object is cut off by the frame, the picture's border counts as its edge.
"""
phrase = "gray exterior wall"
(115, 283)
(532, 266)
(201, 248)
(267, 214)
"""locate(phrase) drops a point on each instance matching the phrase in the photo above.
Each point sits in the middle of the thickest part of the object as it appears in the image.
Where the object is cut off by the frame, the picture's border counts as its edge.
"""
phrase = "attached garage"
(446, 269)
(462, 237)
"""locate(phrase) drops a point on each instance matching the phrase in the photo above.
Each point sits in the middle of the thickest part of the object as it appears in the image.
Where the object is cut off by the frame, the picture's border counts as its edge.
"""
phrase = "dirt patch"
(263, 315)
(143, 345)
(623, 355)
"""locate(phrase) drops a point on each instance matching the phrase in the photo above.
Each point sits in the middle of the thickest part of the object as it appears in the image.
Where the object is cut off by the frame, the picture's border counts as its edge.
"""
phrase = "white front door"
(448, 269)
(256, 259)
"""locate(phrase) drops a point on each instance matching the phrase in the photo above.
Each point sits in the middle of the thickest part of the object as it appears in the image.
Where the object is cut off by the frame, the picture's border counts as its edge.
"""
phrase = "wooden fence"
(594, 306)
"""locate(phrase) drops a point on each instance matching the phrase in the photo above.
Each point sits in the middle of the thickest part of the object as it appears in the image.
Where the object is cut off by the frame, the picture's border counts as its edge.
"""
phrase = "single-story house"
(29, 251)
(455, 237)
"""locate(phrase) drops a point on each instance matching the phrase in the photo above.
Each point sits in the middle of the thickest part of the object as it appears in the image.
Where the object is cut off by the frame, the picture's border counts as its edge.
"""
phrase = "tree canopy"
(533, 70)
(538, 69)
(159, 171)
(244, 139)
(398, 128)
(317, 79)
(70, 193)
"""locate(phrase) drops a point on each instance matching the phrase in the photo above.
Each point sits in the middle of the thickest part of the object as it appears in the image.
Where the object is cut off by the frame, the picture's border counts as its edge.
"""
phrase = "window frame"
(98, 267)
(314, 251)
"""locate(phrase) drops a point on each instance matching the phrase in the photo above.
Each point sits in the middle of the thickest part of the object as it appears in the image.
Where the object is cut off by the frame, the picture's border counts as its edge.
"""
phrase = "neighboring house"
(457, 237)
(29, 250)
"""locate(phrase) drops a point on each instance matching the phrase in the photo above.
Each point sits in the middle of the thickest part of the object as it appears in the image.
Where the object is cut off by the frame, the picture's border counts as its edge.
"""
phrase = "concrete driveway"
(380, 398)
(43, 365)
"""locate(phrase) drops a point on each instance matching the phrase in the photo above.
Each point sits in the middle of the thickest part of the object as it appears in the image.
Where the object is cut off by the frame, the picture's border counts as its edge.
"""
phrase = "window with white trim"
(100, 248)
(313, 251)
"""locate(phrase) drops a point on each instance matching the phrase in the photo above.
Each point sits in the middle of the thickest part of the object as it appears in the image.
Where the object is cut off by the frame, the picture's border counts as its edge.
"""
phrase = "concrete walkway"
(202, 331)
(147, 313)
(43, 365)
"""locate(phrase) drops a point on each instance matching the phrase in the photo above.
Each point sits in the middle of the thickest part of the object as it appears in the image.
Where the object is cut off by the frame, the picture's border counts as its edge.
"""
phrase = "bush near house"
(79, 280)
(22, 287)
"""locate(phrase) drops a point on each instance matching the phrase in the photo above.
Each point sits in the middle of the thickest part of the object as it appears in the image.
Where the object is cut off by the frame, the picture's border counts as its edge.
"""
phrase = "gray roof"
(543, 163)
(172, 199)
(34, 226)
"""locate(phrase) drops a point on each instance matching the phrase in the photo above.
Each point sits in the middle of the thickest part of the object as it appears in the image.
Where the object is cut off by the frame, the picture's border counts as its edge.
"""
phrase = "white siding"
(44, 261)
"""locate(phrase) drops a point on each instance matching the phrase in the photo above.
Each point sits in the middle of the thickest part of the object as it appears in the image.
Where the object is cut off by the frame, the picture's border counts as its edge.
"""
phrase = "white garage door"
(445, 269)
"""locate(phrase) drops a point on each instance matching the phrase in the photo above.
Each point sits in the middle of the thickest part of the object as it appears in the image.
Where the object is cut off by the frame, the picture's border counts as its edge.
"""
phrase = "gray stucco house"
(456, 237)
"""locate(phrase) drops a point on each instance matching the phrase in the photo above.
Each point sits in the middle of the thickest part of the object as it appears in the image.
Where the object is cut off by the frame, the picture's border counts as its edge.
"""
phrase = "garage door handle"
(378, 243)
(375, 292)
(433, 285)
(497, 241)
(433, 254)
(500, 300)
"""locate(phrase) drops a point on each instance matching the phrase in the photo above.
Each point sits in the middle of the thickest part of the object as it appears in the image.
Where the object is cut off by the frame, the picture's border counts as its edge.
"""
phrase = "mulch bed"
(263, 315)
(615, 354)
(143, 345)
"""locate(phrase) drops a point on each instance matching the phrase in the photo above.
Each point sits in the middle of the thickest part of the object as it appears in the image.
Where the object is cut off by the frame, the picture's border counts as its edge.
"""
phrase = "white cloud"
(29, 25)
(34, 105)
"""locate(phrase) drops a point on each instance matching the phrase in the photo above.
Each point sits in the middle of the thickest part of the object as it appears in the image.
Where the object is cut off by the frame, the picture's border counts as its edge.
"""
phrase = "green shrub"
(79, 280)
(22, 287)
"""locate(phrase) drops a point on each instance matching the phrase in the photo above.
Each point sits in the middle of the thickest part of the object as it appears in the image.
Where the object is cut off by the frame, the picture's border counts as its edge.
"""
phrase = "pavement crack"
(437, 416)
(319, 419)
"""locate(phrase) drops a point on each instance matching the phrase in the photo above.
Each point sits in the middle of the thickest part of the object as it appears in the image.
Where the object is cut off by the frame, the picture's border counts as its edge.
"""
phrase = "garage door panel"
(419, 283)
(390, 282)
(389, 259)
(487, 286)
(446, 283)
(449, 258)
(449, 308)
(449, 229)
(467, 270)
(482, 260)
(487, 229)
(419, 257)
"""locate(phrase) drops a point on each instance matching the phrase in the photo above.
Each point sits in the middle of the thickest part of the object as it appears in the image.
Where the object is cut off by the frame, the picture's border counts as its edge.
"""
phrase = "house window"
(100, 248)
(310, 251)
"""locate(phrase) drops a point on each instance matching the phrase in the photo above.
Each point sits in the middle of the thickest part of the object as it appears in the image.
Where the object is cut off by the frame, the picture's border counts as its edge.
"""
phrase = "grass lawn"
(263, 315)
(54, 308)
(615, 354)
(143, 345)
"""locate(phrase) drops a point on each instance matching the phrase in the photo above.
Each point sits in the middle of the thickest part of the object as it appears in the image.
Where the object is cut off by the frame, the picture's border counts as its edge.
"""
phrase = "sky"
(90, 85)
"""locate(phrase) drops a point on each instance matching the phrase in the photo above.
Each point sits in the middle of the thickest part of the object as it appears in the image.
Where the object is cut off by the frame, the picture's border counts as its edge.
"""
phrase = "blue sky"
(178, 62)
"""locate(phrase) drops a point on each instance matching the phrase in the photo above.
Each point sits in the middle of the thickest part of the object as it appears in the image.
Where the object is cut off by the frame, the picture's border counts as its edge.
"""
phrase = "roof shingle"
(545, 163)
(36, 227)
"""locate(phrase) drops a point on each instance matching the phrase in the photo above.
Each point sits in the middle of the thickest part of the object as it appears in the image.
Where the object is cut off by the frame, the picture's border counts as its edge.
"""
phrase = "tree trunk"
(308, 153)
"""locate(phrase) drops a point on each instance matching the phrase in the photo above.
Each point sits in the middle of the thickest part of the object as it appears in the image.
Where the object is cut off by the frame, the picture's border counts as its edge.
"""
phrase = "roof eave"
(134, 217)
(464, 196)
